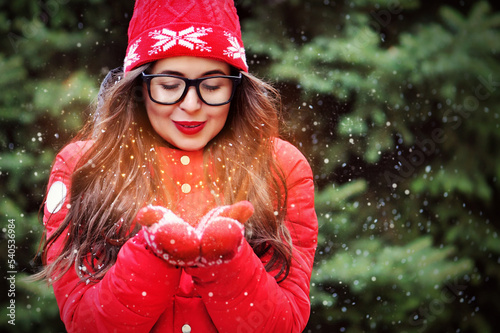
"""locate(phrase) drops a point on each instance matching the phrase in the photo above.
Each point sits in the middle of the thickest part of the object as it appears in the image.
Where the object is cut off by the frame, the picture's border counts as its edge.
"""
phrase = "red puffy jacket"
(142, 293)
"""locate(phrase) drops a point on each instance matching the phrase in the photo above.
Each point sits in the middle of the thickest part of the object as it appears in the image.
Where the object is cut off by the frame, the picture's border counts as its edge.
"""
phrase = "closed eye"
(170, 86)
(210, 87)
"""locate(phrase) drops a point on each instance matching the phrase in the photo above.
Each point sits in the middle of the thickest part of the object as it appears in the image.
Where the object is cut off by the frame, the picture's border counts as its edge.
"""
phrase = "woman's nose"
(191, 101)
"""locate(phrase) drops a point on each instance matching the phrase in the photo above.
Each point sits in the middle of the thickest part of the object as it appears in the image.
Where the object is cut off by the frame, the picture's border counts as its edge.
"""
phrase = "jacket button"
(186, 328)
(185, 160)
(186, 188)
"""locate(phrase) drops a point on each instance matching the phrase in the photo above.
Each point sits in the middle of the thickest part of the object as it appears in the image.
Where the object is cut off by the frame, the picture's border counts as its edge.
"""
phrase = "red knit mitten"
(169, 236)
(221, 232)
(216, 239)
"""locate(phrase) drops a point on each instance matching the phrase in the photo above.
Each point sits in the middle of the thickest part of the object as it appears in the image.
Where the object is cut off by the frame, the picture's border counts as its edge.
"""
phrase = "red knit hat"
(168, 28)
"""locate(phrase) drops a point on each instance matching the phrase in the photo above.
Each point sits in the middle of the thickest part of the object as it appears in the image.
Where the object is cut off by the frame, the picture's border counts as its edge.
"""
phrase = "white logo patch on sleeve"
(56, 197)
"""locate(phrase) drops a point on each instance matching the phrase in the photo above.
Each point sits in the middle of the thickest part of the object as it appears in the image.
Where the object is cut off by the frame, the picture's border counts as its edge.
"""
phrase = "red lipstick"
(189, 127)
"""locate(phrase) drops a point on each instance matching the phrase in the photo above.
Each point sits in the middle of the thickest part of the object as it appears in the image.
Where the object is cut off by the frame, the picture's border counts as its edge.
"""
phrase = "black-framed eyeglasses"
(170, 89)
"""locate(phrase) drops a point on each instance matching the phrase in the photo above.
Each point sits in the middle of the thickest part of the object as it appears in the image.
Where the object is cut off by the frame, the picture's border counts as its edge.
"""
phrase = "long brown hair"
(120, 173)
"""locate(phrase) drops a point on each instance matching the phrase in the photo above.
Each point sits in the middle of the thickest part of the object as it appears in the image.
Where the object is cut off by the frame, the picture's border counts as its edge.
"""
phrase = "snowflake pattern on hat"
(132, 56)
(189, 38)
(234, 51)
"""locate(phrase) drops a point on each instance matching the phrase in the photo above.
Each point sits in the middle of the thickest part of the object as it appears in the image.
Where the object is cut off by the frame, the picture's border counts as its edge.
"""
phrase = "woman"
(183, 139)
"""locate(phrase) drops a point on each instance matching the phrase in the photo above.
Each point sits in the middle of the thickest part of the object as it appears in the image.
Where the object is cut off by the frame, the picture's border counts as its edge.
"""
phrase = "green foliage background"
(395, 103)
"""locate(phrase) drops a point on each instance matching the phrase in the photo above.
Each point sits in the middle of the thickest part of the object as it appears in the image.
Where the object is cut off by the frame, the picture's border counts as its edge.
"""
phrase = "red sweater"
(143, 293)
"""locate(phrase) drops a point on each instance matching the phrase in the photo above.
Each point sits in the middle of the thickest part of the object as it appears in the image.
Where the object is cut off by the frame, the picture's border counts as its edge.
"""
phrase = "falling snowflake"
(131, 55)
(234, 51)
(188, 38)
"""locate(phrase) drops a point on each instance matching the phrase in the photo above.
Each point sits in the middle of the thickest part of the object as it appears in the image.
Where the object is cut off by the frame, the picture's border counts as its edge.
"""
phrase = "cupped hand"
(216, 239)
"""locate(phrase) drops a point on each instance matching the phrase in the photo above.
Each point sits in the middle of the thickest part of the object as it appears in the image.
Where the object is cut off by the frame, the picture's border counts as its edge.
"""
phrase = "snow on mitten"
(169, 236)
(221, 232)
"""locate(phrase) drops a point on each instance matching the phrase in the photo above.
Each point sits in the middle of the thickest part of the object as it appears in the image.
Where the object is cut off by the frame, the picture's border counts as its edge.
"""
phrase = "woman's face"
(190, 123)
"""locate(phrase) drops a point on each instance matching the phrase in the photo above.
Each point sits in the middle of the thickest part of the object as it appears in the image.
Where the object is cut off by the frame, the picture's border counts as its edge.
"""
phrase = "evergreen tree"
(53, 55)
(399, 114)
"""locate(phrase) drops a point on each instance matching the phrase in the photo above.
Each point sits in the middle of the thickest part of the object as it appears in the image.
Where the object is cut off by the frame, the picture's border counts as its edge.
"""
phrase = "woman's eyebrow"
(169, 72)
(212, 72)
